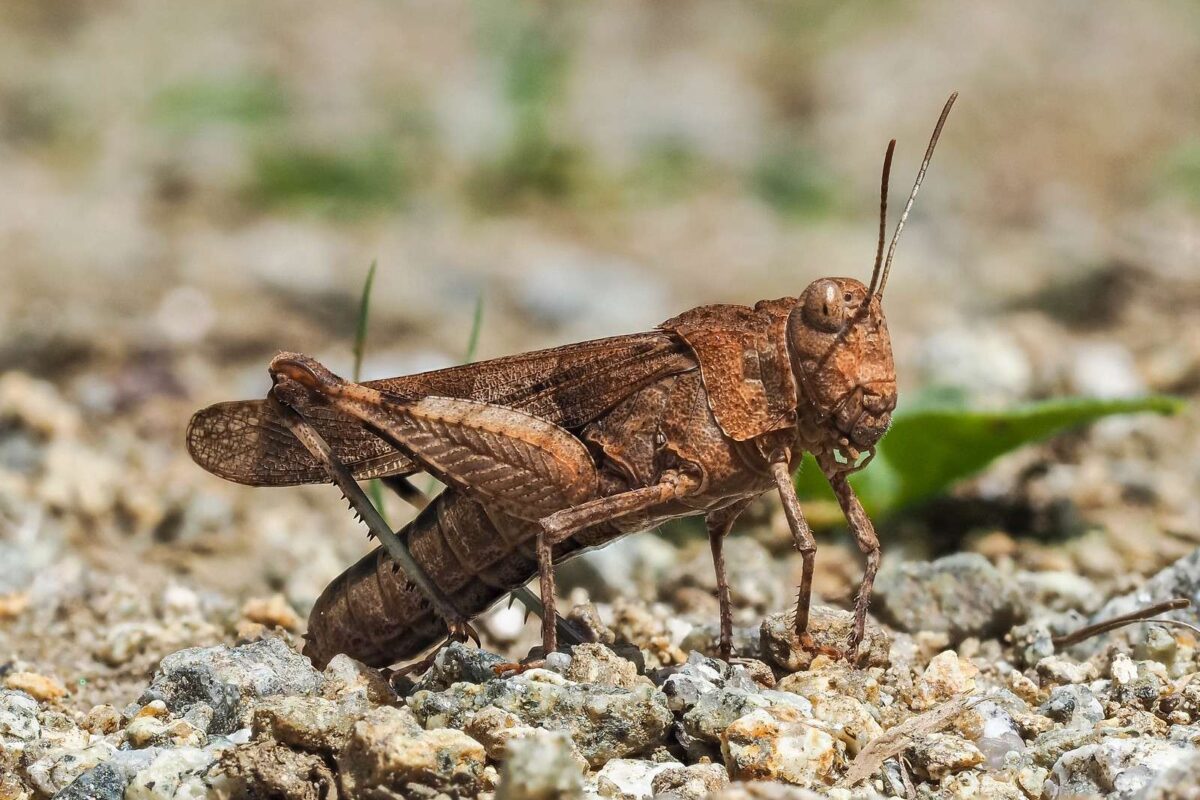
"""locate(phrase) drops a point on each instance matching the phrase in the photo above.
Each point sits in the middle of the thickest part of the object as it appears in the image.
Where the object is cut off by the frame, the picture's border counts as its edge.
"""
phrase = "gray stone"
(459, 663)
(830, 629)
(692, 782)
(1115, 768)
(541, 766)
(307, 723)
(686, 684)
(1074, 705)
(605, 722)
(628, 779)
(1181, 579)
(176, 772)
(387, 756)
(960, 595)
(102, 782)
(227, 678)
(266, 769)
(18, 719)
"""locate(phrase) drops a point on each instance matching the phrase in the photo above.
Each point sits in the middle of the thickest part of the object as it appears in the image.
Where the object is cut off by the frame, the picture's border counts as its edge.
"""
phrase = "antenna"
(937, 131)
(883, 195)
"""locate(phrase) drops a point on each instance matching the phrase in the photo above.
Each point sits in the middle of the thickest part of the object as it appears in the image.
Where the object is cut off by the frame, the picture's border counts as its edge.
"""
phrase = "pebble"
(266, 769)
(1074, 705)
(961, 595)
(458, 663)
(354, 684)
(1058, 670)
(628, 779)
(692, 782)
(386, 752)
(605, 722)
(273, 612)
(542, 766)
(174, 774)
(18, 719)
(947, 676)
(699, 675)
(1122, 767)
(102, 782)
(937, 755)
(781, 744)
(599, 665)
(226, 679)
(829, 628)
(39, 687)
(305, 723)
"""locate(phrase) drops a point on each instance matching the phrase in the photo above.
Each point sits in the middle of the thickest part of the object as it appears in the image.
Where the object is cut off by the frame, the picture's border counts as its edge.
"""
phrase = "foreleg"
(863, 532)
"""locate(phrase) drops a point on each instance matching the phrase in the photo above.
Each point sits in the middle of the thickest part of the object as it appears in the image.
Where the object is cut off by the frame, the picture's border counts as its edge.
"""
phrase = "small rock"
(266, 769)
(972, 785)
(101, 782)
(1059, 670)
(497, 729)
(702, 726)
(385, 754)
(693, 782)
(354, 684)
(1123, 767)
(699, 675)
(39, 687)
(604, 722)
(1074, 705)
(459, 663)
(759, 790)
(937, 755)
(174, 773)
(542, 766)
(628, 779)
(306, 723)
(18, 719)
(1178, 781)
(225, 678)
(781, 744)
(273, 612)
(961, 595)
(101, 720)
(946, 676)
(598, 665)
(993, 729)
(829, 628)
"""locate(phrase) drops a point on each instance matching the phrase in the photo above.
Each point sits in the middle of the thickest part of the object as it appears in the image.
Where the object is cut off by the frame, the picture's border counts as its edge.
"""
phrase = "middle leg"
(564, 524)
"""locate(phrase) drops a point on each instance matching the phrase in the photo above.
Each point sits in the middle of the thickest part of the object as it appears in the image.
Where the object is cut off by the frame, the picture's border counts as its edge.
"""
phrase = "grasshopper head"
(842, 357)
(838, 338)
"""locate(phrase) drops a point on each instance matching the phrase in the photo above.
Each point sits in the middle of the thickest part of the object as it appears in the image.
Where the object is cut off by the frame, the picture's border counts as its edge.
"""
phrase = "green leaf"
(928, 449)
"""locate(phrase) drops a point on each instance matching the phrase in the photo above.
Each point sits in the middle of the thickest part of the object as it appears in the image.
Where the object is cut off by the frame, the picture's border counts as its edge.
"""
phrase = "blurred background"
(190, 187)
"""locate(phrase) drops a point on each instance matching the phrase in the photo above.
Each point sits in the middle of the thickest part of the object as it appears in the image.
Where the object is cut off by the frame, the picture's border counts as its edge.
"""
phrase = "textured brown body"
(477, 555)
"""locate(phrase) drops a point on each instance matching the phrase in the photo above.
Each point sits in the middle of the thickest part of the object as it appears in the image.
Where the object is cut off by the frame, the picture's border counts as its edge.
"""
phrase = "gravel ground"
(149, 651)
(161, 239)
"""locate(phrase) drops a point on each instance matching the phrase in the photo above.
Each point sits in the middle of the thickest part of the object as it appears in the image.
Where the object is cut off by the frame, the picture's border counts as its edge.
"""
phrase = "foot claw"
(808, 644)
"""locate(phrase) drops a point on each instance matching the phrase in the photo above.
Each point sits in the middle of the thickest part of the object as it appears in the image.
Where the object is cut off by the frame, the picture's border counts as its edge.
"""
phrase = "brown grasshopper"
(549, 453)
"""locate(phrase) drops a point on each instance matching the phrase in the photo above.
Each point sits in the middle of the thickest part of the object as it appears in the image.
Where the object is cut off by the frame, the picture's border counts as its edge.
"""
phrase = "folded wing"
(246, 442)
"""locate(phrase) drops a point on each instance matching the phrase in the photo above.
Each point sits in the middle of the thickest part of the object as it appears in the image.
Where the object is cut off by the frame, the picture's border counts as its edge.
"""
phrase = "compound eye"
(824, 307)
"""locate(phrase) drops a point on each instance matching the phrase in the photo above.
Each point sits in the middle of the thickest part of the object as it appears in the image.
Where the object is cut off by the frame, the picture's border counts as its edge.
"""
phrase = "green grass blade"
(476, 326)
(374, 488)
(364, 312)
